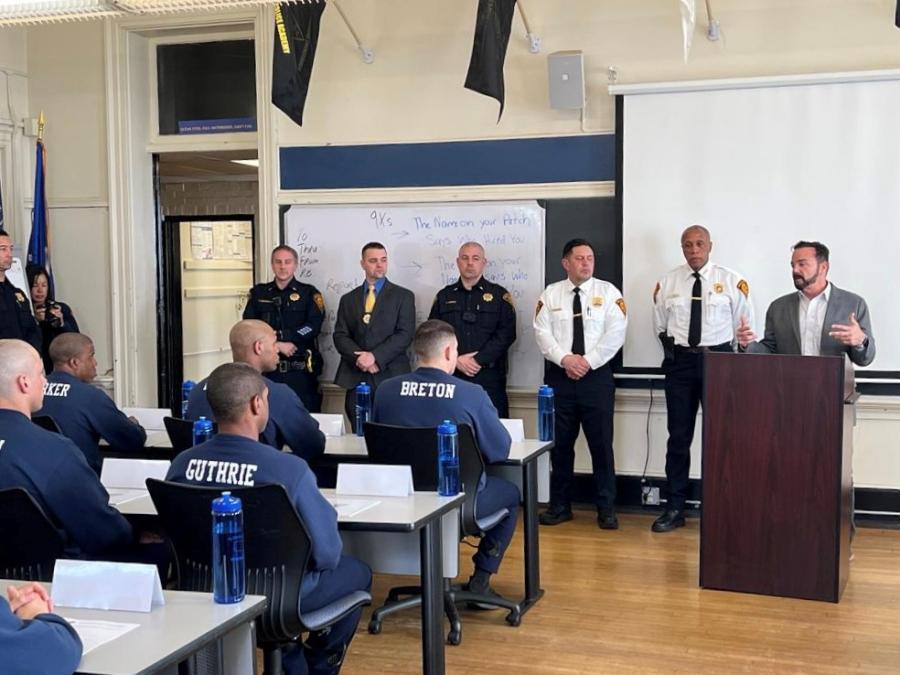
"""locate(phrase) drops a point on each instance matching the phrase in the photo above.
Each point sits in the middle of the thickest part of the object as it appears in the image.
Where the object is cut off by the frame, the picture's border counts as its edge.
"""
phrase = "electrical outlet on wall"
(650, 496)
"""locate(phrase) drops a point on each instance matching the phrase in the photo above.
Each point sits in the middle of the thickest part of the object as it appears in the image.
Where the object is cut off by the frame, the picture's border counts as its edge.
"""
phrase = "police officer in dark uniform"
(483, 315)
(296, 311)
(16, 320)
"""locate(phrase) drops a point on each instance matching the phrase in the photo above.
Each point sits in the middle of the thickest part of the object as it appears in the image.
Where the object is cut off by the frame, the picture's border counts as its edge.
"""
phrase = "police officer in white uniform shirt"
(580, 324)
(697, 307)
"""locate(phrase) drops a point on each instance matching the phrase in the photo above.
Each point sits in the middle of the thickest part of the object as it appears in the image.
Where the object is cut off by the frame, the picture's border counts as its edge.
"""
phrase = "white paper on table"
(149, 418)
(120, 472)
(94, 633)
(87, 584)
(329, 424)
(378, 480)
(120, 496)
(347, 507)
(516, 429)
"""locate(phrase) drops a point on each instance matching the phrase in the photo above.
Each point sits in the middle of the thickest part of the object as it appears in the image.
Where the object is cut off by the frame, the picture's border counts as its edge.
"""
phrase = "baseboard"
(875, 507)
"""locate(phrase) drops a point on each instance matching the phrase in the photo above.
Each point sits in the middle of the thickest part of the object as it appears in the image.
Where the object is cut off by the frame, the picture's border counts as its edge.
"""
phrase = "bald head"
(21, 377)
(253, 343)
(696, 246)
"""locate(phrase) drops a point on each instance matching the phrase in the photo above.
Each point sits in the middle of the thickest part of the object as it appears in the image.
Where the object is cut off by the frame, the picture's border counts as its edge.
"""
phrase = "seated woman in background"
(53, 317)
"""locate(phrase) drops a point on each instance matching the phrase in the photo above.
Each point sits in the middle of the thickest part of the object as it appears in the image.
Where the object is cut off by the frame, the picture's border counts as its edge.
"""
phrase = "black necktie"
(577, 324)
(696, 312)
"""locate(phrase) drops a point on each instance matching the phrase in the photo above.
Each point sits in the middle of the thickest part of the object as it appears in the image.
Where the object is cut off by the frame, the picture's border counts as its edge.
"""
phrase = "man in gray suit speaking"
(820, 320)
(375, 324)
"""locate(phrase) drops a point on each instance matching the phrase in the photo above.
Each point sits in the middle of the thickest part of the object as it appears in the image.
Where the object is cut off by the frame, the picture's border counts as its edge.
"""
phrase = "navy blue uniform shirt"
(52, 469)
(295, 312)
(229, 461)
(289, 422)
(85, 414)
(16, 320)
(484, 320)
(428, 396)
(46, 645)
(52, 328)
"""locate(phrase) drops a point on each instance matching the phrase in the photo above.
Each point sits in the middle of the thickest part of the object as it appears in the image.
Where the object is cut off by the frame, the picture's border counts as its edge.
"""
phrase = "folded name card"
(86, 584)
(132, 473)
(329, 424)
(379, 480)
(515, 428)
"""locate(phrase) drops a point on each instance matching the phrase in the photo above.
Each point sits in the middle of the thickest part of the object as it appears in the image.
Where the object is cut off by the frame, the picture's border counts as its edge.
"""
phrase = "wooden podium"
(777, 440)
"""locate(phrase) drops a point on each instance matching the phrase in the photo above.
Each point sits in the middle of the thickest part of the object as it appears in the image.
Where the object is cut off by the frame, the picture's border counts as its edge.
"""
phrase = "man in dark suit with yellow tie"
(374, 327)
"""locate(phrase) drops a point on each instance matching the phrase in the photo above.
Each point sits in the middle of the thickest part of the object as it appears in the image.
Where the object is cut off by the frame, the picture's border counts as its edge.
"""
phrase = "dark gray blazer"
(783, 327)
(387, 335)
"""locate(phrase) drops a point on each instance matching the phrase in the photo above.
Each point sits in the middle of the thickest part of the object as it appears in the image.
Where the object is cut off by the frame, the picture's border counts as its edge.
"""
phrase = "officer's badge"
(367, 318)
(508, 298)
(487, 297)
(19, 297)
(537, 310)
(655, 292)
(744, 288)
(597, 301)
(718, 288)
(294, 297)
(621, 303)
(320, 301)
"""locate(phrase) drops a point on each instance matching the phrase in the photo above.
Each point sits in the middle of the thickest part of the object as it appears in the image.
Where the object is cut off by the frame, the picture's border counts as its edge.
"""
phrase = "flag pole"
(42, 121)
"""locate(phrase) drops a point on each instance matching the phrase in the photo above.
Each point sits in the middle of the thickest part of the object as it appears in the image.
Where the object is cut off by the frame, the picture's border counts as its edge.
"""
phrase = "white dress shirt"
(812, 321)
(725, 298)
(603, 314)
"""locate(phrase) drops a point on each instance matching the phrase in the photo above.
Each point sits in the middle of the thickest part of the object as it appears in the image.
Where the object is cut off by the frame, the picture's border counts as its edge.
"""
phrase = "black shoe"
(482, 587)
(556, 515)
(606, 519)
(668, 521)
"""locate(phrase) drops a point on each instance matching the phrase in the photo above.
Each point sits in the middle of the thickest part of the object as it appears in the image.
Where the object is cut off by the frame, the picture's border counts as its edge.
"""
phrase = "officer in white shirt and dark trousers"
(580, 324)
(697, 307)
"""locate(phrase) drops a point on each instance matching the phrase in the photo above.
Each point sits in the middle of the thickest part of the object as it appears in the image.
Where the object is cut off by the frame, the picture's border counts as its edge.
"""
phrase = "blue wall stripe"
(510, 161)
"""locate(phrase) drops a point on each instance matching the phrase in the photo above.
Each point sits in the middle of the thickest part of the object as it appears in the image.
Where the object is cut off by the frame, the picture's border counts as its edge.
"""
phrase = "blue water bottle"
(203, 430)
(228, 549)
(546, 414)
(448, 459)
(363, 407)
(186, 390)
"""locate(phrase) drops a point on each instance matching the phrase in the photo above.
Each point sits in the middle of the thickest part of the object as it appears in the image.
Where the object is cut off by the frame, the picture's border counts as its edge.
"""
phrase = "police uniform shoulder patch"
(508, 298)
(488, 297)
(20, 298)
(537, 310)
(744, 288)
(621, 303)
(655, 292)
(294, 297)
(320, 301)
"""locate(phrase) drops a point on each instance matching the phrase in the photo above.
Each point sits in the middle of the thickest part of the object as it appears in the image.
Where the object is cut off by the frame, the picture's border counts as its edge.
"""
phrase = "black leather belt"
(724, 347)
(285, 366)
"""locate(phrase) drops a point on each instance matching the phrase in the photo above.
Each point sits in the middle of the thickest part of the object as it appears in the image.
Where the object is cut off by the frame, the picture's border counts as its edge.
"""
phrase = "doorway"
(206, 239)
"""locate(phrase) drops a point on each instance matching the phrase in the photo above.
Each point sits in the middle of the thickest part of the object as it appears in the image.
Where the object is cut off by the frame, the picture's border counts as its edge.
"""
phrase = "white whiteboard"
(422, 241)
(763, 168)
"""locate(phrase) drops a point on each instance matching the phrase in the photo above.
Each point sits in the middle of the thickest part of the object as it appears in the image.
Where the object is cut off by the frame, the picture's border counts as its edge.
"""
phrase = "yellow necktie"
(370, 299)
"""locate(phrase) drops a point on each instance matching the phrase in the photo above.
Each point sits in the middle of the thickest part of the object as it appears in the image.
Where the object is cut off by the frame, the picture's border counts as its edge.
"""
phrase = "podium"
(777, 441)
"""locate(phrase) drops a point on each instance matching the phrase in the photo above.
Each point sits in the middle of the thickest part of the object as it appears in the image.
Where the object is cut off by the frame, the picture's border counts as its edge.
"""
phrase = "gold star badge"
(320, 301)
(621, 303)
(487, 297)
(718, 288)
(295, 297)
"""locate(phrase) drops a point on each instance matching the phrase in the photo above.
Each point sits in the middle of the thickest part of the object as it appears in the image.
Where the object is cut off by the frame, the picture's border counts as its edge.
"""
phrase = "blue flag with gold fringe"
(39, 243)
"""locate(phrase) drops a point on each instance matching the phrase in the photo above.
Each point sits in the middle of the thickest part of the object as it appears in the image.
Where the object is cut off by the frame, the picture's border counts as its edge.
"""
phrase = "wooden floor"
(628, 601)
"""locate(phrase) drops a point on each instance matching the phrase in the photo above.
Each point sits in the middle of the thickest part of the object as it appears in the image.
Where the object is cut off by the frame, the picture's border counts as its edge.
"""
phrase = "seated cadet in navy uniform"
(32, 638)
(253, 342)
(50, 467)
(430, 395)
(238, 397)
(83, 413)
(16, 320)
(295, 311)
(483, 316)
